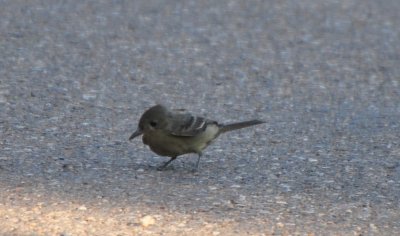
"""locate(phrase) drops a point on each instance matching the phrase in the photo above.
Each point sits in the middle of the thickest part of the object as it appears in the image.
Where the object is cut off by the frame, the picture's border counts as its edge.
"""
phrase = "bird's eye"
(153, 123)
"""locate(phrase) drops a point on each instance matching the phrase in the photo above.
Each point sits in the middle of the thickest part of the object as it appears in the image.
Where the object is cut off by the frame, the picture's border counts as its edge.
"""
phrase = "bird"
(172, 134)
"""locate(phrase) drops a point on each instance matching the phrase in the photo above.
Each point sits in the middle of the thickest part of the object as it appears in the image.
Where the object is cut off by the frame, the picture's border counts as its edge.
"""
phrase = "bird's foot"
(161, 168)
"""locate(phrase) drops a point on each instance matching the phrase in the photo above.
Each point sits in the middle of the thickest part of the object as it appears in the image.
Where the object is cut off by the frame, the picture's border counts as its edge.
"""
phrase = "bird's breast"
(164, 144)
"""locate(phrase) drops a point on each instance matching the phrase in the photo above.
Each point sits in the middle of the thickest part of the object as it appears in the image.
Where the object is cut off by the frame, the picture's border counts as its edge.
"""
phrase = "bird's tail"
(229, 127)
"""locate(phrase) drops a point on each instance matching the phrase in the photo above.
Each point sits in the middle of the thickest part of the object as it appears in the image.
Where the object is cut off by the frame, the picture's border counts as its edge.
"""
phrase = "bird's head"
(152, 119)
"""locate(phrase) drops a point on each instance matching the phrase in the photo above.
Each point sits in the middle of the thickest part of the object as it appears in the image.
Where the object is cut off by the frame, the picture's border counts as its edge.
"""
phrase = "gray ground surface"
(75, 77)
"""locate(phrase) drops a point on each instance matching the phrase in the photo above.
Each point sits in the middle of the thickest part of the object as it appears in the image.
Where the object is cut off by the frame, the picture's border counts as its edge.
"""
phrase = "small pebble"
(147, 221)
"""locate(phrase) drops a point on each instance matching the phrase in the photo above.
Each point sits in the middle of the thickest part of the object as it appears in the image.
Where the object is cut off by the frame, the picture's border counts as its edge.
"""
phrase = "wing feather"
(188, 125)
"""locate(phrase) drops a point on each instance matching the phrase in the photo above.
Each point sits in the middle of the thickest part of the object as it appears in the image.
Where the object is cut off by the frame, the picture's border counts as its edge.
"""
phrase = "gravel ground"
(75, 77)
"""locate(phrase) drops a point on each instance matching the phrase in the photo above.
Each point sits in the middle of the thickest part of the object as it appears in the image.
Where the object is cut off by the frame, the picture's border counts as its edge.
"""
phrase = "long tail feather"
(239, 125)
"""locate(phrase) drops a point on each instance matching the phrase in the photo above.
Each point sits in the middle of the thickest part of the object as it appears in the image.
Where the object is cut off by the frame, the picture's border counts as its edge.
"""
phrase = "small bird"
(173, 134)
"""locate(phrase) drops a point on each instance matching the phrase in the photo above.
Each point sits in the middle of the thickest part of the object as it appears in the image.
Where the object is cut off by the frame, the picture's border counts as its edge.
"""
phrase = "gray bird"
(174, 133)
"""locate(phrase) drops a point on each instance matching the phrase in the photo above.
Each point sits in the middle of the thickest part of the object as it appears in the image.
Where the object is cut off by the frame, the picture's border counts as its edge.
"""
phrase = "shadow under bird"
(172, 134)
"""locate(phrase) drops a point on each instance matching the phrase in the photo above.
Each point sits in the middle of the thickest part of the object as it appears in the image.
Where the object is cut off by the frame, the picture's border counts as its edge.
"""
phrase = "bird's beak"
(135, 134)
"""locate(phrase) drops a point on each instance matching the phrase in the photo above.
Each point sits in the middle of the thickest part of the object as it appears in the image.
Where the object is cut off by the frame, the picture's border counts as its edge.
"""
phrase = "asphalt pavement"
(75, 76)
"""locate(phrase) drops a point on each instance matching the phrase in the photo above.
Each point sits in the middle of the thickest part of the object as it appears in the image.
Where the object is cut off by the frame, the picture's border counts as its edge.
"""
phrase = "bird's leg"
(198, 161)
(166, 163)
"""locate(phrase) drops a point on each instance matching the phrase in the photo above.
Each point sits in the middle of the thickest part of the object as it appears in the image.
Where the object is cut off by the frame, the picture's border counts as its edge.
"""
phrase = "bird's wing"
(188, 125)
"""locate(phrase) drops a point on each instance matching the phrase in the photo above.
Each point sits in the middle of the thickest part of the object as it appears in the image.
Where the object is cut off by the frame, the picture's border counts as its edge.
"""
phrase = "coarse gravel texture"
(75, 76)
